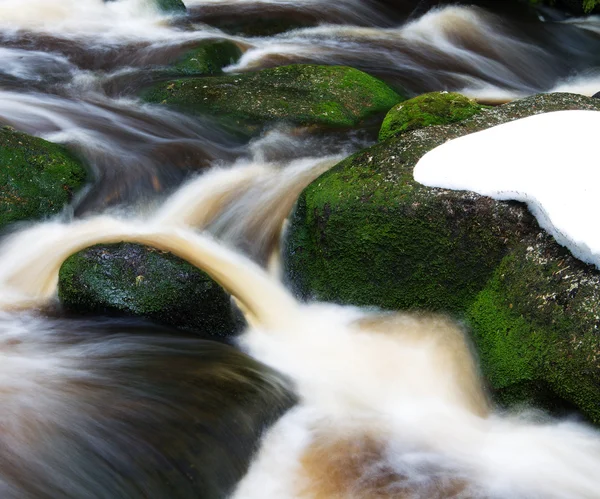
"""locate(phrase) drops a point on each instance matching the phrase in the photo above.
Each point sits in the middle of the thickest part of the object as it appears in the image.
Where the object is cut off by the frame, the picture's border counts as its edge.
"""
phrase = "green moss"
(326, 96)
(435, 108)
(209, 58)
(510, 347)
(134, 280)
(37, 178)
(536, 324)
(367, 234)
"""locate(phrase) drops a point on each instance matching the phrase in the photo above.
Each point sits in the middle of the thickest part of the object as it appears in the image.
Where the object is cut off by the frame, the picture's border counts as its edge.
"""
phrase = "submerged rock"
(366, 233)
(132, 279)
(174, 6)
(434, 108)
(37, 178)
(323, 96)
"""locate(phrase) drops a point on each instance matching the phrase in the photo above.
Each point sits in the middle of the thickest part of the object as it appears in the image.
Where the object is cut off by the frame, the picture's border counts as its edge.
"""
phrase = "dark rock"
(132, 279)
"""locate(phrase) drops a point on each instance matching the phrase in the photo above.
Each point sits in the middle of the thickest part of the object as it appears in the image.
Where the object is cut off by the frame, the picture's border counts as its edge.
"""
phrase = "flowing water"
(384, 405)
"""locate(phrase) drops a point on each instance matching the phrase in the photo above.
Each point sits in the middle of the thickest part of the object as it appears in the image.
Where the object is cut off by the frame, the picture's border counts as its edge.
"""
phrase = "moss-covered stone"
(132, 279)
(435, 108)
(366, 233)
(324, 96)
(209, 58)
(536, 325)
(37, 178)
(577, 7)
(173, 6)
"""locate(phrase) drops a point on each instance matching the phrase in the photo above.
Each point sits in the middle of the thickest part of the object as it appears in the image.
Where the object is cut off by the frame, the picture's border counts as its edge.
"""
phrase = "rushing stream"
(389, 405)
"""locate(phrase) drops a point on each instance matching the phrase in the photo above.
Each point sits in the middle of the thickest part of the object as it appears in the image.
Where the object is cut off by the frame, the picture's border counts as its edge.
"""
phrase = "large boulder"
(37, 178)
(366, 233)
(131, 279)
(323, 96)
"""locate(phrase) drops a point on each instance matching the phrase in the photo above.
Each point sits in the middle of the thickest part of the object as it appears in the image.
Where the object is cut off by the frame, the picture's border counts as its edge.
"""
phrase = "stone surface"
(132, 279)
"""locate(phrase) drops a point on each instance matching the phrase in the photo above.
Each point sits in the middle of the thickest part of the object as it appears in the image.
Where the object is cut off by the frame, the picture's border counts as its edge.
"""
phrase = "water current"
(314, 401)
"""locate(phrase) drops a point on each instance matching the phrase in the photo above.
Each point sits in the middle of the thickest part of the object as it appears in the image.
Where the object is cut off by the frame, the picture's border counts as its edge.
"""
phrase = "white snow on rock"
(549, 161)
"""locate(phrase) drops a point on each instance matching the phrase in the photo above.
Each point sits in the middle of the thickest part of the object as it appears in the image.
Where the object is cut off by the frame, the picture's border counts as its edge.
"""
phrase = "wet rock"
(250, 21)
(37, 178)
(322, 96)
(174, 6)
(366, 233)
(131, 279)
(434, 108)
(577, 7)
(208, 58)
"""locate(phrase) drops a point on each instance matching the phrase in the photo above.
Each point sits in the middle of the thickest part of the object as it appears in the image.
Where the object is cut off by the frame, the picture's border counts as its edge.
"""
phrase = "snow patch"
(549, 161)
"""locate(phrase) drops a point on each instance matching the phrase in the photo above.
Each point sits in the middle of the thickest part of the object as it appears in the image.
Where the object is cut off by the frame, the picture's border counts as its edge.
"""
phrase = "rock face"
(37, 178)
(132, 279)
(366, 233)
(435, 108)
(323, 96)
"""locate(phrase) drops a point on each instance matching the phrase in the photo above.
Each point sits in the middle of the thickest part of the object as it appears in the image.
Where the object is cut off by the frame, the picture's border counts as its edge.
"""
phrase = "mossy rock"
(37, 178)
(131, 279)
(435, 108)
(171, 6)
(323, 96)
(365, 233)
(208, 58)
(577, 7)
(536, 326)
